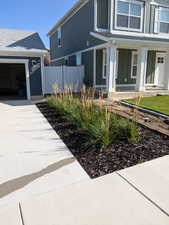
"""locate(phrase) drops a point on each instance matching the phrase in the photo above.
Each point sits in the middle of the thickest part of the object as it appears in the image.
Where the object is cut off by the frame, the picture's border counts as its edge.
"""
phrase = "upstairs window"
(59, 32)
(164, 20)
(129, 15)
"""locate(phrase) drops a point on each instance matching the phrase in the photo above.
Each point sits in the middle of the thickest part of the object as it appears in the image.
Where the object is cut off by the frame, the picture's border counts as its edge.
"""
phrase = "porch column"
(111, 68)
(166, 83)
(141, 69)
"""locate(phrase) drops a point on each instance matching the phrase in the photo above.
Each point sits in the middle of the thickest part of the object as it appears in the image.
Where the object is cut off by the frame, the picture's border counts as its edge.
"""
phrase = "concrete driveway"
(33, 159)
(42, 184)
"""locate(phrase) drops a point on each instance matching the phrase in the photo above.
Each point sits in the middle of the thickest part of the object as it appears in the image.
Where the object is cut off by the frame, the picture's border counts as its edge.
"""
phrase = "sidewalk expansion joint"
(145, 196)
(21, 214)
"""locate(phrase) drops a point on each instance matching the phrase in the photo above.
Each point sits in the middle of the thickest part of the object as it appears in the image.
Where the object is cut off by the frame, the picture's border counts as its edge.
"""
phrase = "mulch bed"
(98, 162)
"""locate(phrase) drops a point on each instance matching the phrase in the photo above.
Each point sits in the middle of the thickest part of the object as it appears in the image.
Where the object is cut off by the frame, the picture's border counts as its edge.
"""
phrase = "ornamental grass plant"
(102, 126)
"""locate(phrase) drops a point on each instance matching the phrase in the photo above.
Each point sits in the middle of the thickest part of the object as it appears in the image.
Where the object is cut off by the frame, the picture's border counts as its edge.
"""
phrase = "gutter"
(26, 52)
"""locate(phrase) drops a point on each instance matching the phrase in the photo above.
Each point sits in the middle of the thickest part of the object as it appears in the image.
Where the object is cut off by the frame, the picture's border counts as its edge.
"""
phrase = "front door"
(160, 69)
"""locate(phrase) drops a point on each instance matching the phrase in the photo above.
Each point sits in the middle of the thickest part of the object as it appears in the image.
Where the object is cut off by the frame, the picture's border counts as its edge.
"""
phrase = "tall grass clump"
(102, 126)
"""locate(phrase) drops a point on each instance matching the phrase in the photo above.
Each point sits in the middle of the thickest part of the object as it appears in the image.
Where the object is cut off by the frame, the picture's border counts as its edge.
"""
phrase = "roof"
(140, 37)
(75, 7)
(20, 40)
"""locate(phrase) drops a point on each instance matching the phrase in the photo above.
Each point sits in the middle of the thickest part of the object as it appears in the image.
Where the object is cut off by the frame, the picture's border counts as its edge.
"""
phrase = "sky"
(34, 15)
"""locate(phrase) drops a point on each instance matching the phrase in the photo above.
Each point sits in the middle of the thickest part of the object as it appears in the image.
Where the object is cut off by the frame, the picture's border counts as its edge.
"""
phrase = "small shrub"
(123, 129)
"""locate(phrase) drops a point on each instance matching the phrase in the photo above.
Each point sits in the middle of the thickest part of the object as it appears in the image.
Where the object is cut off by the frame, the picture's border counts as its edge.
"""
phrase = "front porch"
(128, 70)
(119, 95)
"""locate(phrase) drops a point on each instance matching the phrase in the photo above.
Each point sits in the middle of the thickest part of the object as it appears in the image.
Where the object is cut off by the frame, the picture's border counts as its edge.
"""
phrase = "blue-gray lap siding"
(59, 62)
(99, 68)
(76, 33)
(35, 77)
(102, 14)
(88, 62)
(71, 61)
(34, 74)
(124, 67)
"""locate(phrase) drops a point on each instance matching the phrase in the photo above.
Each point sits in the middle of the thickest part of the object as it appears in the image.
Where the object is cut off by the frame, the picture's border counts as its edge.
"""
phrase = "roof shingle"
(20, 40)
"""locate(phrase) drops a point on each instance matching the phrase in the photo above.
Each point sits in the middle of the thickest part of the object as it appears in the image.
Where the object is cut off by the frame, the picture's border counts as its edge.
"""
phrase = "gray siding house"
(21, 64)
(123, 44)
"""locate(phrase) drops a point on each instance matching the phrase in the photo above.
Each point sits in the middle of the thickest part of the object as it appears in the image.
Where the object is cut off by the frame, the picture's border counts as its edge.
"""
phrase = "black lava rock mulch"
(98, 162)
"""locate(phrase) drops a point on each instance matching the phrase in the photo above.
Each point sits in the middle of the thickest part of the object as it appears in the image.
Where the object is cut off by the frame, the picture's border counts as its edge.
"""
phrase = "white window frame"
(104, 64)
(159, 21)
(59, 37)
(123, 14)
(132, 64)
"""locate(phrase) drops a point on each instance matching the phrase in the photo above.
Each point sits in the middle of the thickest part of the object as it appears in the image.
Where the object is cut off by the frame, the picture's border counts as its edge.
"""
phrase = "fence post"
(63, 78)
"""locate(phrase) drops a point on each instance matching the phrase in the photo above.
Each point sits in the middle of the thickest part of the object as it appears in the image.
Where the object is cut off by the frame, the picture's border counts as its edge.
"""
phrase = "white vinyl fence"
(63, 76)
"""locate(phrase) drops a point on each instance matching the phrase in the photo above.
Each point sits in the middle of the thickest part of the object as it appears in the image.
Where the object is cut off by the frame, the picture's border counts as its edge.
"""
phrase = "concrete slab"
(10, 215)
(104, 201)
(152, 179)
(33, 158)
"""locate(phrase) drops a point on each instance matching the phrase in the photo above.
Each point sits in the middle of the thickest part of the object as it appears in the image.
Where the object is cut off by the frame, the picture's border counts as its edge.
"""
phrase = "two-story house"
(123, 44)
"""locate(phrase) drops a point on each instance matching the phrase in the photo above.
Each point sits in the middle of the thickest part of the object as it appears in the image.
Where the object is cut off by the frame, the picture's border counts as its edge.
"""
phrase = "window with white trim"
(104, 69)
(134, 64)
(59, 36)
(163, 20)
(129, 15)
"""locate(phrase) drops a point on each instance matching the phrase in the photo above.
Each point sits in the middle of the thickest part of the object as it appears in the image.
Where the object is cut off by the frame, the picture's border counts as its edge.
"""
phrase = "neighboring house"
(21, 64)
(123, 44)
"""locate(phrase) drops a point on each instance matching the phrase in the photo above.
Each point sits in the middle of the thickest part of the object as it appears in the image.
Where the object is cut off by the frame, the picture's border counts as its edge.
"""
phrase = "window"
(78, 59)
(104, 70)
(160, 60)
(59, 37)
(129, 15)
(134, 63)
(164, 20)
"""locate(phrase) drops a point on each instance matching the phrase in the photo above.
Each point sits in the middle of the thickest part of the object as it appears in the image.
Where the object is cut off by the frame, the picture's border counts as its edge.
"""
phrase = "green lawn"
(157, 103)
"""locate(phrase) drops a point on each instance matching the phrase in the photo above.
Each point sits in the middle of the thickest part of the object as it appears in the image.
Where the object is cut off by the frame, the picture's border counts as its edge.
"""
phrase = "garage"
(22, 55)
(12, 81)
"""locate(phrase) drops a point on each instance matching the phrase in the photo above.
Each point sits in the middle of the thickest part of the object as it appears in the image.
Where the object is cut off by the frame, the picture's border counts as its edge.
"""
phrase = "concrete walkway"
(33, 159)
(136, 196)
